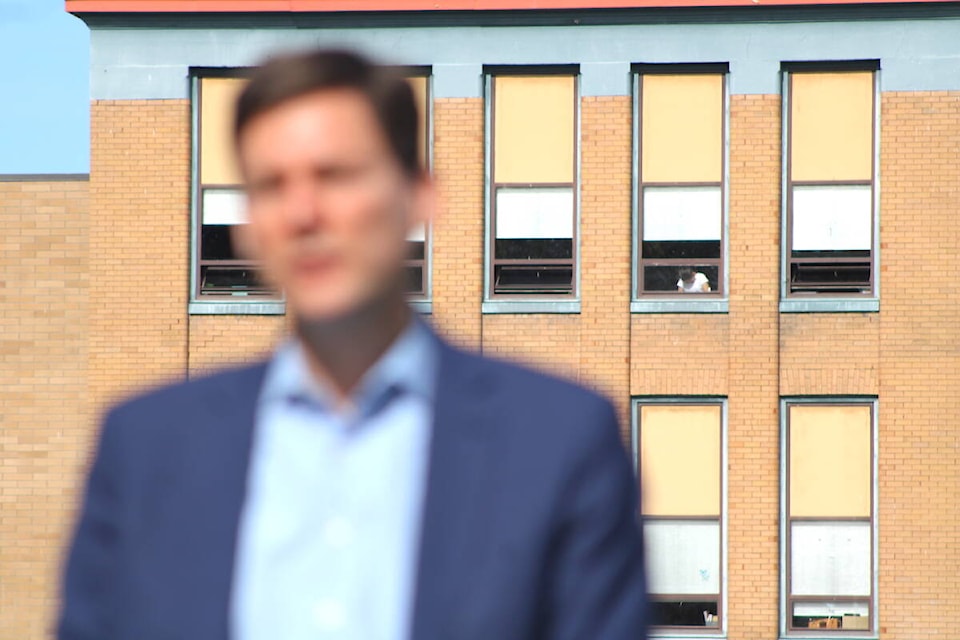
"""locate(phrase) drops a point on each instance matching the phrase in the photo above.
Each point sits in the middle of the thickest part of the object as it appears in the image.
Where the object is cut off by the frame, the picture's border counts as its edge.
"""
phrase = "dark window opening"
(663, 278)
(685, 613)
(830, 272)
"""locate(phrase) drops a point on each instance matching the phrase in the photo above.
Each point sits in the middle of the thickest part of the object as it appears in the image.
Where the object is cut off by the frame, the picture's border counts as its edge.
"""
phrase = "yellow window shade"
(419, 86)
(217, 157)
(533, 129)
(831, 126)
(680, 460)
(682, 128)
(830, 461)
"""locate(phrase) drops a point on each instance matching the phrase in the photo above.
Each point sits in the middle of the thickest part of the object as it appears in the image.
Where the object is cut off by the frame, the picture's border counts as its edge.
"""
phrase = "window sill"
(530, 306)
(237, 308)
(829, 305)
(423, 307)
(680, 635)
(716, 305)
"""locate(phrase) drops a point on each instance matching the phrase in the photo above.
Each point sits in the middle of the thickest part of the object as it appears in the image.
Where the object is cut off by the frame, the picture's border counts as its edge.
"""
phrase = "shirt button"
(337, 532)
(329, 615)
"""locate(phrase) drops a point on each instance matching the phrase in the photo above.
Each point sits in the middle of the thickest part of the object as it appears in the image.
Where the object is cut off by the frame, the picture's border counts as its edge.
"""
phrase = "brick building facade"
(98, 290)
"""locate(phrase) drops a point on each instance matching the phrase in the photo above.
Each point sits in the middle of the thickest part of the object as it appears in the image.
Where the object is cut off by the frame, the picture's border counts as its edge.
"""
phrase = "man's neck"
(340, 353)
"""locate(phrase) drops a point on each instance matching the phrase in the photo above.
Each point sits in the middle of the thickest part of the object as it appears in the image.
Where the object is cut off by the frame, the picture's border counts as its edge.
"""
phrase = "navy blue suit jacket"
(529, 526)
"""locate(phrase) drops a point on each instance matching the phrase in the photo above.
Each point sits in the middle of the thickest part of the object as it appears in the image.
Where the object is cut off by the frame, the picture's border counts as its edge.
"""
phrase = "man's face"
(329, 205)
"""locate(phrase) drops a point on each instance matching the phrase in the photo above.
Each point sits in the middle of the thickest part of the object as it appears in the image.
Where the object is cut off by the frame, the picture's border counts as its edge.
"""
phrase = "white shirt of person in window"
(692, 282)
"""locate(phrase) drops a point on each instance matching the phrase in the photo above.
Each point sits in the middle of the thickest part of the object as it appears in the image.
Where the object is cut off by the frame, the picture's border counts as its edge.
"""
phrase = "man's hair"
(287, 77)
(686, 273)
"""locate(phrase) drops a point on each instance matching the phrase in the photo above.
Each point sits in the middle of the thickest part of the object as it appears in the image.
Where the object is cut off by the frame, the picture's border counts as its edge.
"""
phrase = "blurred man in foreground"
(369, 481)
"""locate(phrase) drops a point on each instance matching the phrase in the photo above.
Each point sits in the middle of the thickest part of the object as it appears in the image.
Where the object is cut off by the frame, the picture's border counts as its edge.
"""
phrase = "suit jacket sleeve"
(91, 593)
(597, 582)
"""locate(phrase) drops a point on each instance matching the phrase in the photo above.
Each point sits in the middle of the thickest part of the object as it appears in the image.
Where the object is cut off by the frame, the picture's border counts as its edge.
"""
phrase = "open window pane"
(687, 557)
(830, 558)
(232, 280)
(533, 278)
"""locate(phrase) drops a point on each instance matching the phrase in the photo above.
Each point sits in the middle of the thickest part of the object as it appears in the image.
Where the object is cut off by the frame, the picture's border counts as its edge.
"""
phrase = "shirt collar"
(408, 366)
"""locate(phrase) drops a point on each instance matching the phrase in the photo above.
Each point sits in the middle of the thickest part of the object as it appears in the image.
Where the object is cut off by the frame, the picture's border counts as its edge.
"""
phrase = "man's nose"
(302, 206)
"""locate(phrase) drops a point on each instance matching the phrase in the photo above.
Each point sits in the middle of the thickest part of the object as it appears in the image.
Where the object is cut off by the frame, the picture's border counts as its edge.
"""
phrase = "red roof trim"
(332, 6)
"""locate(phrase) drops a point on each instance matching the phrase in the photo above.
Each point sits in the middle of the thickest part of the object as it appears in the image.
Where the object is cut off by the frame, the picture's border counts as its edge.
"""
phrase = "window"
(680, 189)
(533, 209)
(829, 516)
(679, 447)
(830, 183)
(418, 272)
(221, 274)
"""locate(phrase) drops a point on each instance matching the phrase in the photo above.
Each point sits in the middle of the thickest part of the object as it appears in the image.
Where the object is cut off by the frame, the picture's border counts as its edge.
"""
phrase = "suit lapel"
(219, 458)
(452, 508)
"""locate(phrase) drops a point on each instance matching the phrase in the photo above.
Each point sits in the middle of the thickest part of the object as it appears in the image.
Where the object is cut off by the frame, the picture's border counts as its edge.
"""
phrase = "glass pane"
(529, 249)
(682, 213)
(830, 558)
(415, 250)
(684, 613)
(683, 556)
(215, 242)
(680, 249)
(832, 218)
(414, 279)
(666, 278)
(534, 212)
(831, 615)
(533, 278)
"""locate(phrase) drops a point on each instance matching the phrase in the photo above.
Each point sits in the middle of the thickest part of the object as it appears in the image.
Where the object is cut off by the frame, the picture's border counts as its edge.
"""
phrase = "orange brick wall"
(44, 413)
(753, 455)
(919, 377)
(458, 228)
(605, 222)
(218, 341)
(829, 354)
(139, 244)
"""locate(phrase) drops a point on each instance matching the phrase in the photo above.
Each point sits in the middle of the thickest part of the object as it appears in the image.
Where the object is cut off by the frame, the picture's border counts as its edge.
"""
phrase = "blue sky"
(45, 90)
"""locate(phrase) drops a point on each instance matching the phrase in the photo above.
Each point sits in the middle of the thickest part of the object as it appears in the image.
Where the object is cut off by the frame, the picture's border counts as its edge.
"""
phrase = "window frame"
(528, 302)
(715, 301)
(794, 301)
(267, 302)
(422, 300)
(273, 303)
(787, 599)
(679, 631)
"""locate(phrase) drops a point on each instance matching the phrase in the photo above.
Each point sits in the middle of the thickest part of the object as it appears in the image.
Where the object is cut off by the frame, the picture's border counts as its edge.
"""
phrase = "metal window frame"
(786, 600)
(826, 302)
(673, 302)
(548, 302)
(266, 304)
(636, 403)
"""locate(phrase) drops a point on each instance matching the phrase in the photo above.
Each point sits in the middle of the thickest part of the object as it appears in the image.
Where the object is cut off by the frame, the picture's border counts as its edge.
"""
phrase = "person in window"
(368, 480)
(692, 282)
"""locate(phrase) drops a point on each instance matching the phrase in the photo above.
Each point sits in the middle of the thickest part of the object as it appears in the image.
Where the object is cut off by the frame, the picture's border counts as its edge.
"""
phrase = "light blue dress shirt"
(330, 528)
